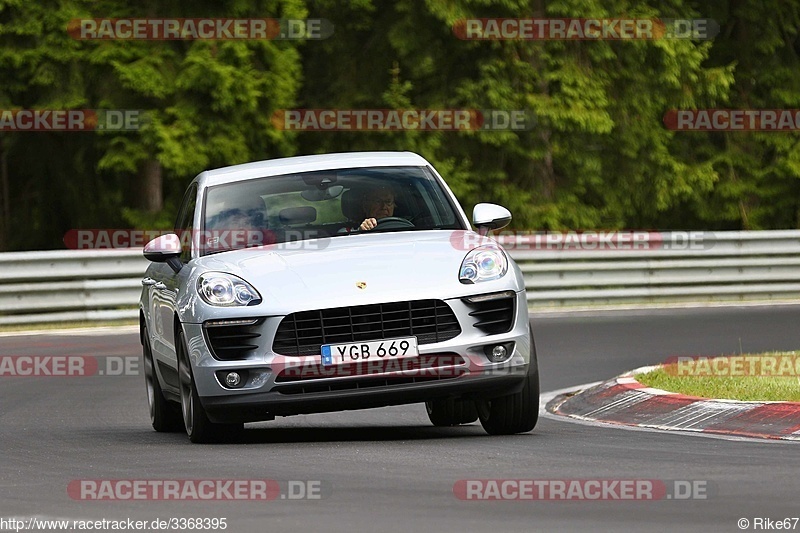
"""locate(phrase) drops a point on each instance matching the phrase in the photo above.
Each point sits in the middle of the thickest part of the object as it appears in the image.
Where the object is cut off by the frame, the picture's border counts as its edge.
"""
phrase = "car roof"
(308, 163)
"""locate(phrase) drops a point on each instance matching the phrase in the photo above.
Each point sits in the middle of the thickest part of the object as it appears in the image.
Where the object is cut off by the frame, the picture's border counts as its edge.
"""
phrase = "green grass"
(67, 325)
(740, 387)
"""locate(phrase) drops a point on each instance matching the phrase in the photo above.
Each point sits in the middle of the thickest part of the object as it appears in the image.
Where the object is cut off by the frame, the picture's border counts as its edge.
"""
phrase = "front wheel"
(198, 426)
(165, 416)
(515, 413)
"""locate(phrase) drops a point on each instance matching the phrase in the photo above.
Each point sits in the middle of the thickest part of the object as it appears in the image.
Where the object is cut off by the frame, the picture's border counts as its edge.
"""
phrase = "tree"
(598, 154)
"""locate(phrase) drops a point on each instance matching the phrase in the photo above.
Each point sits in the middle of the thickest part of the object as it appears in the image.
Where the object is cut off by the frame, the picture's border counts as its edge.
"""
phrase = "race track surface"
(389, 469)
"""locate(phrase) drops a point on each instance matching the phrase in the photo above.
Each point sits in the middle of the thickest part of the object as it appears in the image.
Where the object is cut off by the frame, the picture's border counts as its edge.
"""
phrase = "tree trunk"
(151, 198)
(544, 172)
(5, 207)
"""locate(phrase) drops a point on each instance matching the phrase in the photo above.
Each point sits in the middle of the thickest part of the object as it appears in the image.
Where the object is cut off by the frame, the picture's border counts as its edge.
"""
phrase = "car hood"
(354, 269)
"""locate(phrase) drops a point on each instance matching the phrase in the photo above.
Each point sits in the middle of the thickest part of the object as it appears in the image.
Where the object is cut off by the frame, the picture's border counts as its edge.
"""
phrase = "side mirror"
(487, 217)
(165, 249)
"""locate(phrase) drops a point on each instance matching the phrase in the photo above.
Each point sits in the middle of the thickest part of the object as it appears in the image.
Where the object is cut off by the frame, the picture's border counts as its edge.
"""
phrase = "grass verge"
(66, 325)
(771, 376)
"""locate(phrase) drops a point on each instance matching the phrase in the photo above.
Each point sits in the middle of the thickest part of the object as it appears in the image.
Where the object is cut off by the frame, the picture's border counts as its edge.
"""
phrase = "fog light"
(499, 353)
(233, 379)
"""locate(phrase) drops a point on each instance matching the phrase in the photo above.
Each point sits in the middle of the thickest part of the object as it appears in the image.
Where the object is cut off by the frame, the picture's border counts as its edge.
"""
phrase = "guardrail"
(98, 285)
(718, 267)
(74, 285)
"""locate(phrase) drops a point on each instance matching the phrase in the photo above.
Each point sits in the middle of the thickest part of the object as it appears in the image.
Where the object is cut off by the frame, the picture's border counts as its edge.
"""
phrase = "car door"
(165, 292)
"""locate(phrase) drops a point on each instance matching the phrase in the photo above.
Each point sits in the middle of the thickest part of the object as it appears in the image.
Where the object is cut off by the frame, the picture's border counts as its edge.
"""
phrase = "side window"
(185, 222)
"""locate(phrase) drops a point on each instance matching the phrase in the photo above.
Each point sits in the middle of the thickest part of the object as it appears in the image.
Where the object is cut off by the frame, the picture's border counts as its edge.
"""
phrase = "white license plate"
(353, 352)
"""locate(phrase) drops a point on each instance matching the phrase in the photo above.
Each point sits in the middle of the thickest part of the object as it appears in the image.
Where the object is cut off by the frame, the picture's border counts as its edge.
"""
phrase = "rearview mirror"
(319, 195)
(165, 249)
(487, 217)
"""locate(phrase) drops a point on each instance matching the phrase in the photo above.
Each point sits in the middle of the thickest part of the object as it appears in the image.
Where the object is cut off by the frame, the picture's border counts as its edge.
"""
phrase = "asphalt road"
(389, 469)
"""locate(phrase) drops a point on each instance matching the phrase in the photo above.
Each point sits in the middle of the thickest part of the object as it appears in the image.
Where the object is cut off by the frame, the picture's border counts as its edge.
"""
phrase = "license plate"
(353, 352)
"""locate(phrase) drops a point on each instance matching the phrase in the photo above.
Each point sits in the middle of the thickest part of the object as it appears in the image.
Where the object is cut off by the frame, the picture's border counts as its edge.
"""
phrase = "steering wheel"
(393, 223)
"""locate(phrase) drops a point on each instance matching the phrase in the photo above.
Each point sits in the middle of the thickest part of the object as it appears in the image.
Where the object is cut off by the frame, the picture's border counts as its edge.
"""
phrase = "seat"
(351, 206)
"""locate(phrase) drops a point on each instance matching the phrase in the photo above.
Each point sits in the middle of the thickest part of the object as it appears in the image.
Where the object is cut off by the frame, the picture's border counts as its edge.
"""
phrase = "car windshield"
(329, 203)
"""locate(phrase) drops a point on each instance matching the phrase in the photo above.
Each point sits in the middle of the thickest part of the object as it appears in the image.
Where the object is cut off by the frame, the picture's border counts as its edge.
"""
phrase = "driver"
(376, 203)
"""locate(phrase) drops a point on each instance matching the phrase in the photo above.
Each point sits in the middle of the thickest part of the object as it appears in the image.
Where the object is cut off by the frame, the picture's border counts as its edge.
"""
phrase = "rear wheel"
(515, 413)
(451, 412)
(198, 426)
(164, 415)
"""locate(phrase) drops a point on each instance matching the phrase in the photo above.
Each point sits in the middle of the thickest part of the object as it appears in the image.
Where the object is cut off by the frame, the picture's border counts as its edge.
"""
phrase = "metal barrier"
(61, 286)
(57, 286)
(718, 267)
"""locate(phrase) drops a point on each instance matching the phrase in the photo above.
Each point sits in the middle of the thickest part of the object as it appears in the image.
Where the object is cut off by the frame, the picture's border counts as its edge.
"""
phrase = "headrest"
(297, 215)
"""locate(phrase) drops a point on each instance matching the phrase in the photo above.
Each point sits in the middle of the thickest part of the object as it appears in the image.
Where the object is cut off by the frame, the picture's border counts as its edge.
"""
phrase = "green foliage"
(161, 220)
(596, 153)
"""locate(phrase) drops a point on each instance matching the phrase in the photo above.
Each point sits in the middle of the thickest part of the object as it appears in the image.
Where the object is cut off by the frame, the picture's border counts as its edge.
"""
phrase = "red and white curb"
(625, 401)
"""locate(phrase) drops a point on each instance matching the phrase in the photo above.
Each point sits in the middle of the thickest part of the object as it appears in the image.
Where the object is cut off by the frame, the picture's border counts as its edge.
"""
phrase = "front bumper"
(265, 395)
(254, 407)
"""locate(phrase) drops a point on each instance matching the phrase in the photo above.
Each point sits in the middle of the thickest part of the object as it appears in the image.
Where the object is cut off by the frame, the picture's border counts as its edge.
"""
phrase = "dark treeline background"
(598, 158)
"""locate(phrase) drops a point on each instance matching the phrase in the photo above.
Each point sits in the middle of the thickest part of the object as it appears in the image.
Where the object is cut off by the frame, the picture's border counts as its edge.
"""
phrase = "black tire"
(195, 420)
(451, 412)
(164, 415)
(515, 413)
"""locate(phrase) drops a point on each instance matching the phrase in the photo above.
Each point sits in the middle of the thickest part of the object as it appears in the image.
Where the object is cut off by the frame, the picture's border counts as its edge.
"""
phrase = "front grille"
(234, 341)
(430, 365)
(304, 332)
(494, 315)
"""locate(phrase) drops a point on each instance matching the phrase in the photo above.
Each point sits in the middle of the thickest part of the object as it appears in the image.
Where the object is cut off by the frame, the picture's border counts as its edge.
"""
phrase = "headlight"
(484, 263)
(225, 290)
